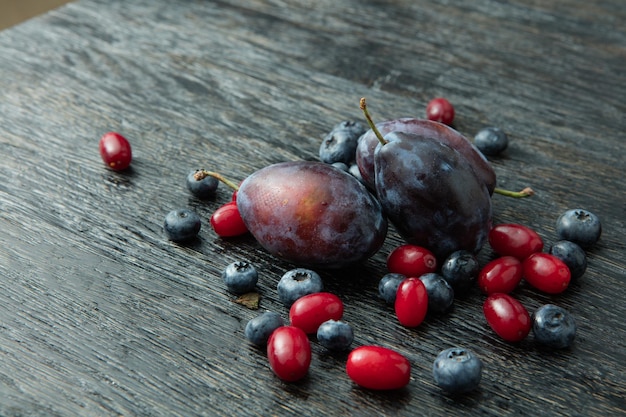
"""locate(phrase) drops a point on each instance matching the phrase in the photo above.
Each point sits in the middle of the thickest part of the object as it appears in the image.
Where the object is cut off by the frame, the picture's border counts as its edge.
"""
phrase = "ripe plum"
(312, 214)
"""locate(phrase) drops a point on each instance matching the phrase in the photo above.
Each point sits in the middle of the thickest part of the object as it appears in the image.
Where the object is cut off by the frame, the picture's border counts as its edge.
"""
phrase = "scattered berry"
(440, 293)
(554, 326)
(411, 303)
(507, 317)
(515, 240)
(491, 141)
(411, 261)
(440, 110)
(572, 255)
(388, 286)
(181, 225)
(297, 283)
(310, 311)
(341, 166)
(502, 275)
(579, 226)
(460, 269)
(457, 370)
(340, 144)
(240, 277)
(115, 151)
(259, 329)
(289, 353)
(378, 368)
(201, 186)
(227, 222)
(335, 335)
(546, 273)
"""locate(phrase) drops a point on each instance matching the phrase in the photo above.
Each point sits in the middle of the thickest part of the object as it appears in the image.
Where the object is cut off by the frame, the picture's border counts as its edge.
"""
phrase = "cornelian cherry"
(546, 273)
(310, 311)
(227, 222)
(378, 368)
(411, 302)
(500, 275)
(507, 317)
(515, 240)
(440, 110)
(115, 151)
(411, 261)
(289, 353)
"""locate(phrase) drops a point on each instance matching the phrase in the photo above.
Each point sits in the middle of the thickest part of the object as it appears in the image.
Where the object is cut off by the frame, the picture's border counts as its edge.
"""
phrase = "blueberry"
(572, 255)
(240, 277)
(355, 172)
(259, 329)
(460, 269)
(181, 225)
(203, 188)
(340, 144)
(553, 326)
(341, 166)
(388, 287)
(335, 335)
(457, 370)
(440, 293)
(491, 141)
(297, 283)
(579, 226)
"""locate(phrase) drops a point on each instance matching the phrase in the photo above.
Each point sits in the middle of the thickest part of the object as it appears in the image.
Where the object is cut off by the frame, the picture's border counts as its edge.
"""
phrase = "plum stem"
(526, 192)
(370, 122)
(202, 173)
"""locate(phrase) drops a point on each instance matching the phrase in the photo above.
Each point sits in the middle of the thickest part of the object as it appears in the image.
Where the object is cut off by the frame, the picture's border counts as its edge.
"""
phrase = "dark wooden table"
(100, 315)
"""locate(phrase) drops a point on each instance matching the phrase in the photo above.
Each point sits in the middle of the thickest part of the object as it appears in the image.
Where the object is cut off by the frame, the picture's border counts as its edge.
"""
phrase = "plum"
(312, 214)
(428, 129)
(431, 193)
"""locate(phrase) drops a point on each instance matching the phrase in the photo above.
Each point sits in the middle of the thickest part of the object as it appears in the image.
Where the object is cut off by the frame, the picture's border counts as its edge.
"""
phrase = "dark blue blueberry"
(297, 283)
(335, 335)
(457, 370)
(203, 188)
(579, 226)
(491, 141)
(440, 293)
(388, 286)
(181, 225)
(572, 255)
(340, 144)
(341, 166)
(355, 172)
(553, 326)
(240, 277)
(460, 269)
(259, 329)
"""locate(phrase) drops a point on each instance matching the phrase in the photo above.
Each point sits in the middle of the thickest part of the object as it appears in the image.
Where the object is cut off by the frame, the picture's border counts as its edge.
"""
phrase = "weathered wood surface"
(101, 316)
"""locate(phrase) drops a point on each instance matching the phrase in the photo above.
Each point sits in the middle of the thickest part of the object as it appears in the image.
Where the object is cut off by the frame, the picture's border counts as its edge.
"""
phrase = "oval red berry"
(227, 222)
(289, 353)
(515, 240)
(378, 368)
(115, 151)
(411, 261)
(440, 110)
(310, 311)
(411, 302)
(546, 273)
(507, 317)
(500, 275)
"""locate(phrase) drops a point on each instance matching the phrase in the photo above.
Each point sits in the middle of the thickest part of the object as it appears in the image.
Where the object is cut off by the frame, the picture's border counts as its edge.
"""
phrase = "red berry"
(546, 273)
(507, 317)
(289, 353)
(378, 368)
(440, 110)
(227, 222)
(411, 261)
(500, 275)
(115, 151)
(411, 302)
(310, 311)
(515, 240)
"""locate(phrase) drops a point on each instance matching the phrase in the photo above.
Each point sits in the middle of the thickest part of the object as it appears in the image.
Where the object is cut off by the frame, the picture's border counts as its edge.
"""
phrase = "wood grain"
(101, 316)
